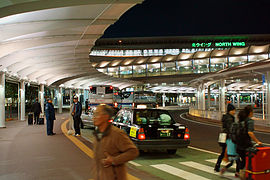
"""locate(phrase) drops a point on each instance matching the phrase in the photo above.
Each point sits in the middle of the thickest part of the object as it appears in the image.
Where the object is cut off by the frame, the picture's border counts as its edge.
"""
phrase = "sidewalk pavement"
(27, 153)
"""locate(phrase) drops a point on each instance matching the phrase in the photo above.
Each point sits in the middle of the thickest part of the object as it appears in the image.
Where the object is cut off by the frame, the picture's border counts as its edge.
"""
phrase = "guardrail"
(206, 113)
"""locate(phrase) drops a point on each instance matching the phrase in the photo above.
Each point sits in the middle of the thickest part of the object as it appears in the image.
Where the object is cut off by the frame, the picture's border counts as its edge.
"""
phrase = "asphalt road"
(205, 136)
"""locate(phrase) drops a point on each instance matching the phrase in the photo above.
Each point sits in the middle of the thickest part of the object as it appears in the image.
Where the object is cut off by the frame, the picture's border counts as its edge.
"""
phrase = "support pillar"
(222, 96)
(198, 98)
(251, 99)
(238, 101)
(70, 97)
(22, 92)
(42, 97)
(203, 98)
(209, 98)
(2, 100)
(215, 99)
(255, 96)
(60, 100)
(163, 99)
(233, 101)
(268, 96)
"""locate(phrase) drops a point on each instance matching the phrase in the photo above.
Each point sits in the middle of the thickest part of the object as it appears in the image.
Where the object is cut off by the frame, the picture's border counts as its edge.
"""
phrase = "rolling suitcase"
(258, 163)
(30, 118)
(41, 120)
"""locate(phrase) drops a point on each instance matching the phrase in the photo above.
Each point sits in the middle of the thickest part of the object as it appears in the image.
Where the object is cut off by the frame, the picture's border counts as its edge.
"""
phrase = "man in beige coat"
(112, 147)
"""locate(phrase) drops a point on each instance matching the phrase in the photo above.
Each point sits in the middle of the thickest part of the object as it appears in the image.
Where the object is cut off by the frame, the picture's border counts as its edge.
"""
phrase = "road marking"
(178, 172)
(222, 163)
(134, 163)
(83, 147)
(202, 150)
(204, 168)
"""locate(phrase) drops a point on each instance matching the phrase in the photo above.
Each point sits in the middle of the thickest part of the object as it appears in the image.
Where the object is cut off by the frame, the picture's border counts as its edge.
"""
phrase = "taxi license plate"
(165, 133)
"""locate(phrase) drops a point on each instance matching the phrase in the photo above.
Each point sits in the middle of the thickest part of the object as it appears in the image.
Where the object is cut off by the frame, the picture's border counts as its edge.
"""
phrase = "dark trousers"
(36, 117)
(237, 164)
(50, 126)
(221, 156)
(77, 121)
(242, 154)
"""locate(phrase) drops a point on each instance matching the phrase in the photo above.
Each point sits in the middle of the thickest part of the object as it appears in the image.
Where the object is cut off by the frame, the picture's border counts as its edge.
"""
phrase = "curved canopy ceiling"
(49, 42)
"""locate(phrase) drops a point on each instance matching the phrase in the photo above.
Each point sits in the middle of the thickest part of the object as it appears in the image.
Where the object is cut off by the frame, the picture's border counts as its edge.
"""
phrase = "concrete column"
(198, 99)
(163, 99)
(2, 100)
(251, 98)
(70, 97)
(222, 96)
(233, 101)
(180, 98)
(209, 98)
(42, 97)
(203, 98)
(22, 92)
(215, 96)
(60, 100)
(238, 100)
(255, 96)
(268, 96)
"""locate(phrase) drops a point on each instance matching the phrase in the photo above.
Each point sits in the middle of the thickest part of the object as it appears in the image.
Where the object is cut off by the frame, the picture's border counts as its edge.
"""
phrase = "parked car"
(87, 119)
(152, 129)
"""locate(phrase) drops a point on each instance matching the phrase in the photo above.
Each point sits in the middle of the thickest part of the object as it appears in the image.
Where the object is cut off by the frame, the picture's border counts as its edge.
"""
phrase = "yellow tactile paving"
(84, 148)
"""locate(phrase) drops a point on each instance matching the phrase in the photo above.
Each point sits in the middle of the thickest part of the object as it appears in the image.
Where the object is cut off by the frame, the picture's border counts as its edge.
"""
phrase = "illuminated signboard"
(219, 44)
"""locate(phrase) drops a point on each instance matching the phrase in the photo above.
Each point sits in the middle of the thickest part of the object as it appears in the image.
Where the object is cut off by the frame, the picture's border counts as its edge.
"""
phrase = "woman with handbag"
(227, 120)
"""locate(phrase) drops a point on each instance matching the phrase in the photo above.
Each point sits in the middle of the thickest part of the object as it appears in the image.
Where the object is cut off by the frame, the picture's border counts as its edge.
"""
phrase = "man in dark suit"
(50, 117)
(76, 113)
(36, 108)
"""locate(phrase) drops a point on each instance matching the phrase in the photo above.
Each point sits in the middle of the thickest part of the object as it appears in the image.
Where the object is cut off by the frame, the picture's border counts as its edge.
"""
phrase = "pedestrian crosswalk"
(178, 172)
(190, 170)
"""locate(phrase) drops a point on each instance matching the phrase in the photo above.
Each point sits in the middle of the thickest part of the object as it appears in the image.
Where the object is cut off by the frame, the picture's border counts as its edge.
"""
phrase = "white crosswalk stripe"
(204, 168)
(178, 172)
(223, 163)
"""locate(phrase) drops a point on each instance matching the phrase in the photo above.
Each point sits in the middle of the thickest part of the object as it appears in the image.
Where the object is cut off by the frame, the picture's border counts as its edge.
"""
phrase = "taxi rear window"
(152, 117)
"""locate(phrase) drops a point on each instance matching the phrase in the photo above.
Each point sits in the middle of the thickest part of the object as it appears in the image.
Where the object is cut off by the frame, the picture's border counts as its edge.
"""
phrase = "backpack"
(239, 135)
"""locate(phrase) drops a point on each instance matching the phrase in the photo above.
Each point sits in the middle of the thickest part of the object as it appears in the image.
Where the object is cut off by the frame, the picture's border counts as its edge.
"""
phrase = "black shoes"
(52, 134)
(217, 169)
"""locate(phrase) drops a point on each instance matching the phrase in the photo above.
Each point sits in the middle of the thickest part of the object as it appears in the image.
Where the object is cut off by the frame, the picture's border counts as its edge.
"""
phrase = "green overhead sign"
(219, 44)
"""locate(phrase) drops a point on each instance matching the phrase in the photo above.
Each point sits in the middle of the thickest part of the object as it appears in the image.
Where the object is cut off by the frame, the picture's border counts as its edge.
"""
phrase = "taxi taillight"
(141, 135)
(186, 136)
(110, 120)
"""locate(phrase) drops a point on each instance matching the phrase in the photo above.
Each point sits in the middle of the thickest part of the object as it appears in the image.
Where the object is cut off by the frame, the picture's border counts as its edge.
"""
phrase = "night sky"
(193, 17)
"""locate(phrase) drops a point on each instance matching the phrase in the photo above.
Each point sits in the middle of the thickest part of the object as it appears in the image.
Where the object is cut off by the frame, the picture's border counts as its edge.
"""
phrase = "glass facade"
(126, 71)
(139, 70)
(185, 63)
(153, 69)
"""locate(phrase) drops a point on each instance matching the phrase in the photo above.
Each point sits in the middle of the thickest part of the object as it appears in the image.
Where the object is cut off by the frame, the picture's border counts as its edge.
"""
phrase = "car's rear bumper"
(161, 143)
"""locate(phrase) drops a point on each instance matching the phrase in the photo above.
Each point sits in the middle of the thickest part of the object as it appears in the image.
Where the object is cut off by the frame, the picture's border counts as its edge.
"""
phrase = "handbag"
(222, 137)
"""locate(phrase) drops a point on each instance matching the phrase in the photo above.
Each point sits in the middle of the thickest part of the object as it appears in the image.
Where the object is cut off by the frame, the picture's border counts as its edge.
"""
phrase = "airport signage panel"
(219, 44)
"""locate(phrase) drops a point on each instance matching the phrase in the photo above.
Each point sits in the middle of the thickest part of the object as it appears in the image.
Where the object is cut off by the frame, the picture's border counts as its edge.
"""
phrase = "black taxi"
(152, 129)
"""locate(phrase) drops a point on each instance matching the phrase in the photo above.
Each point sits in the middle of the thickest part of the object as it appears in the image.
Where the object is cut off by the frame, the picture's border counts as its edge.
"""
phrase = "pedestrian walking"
(231, 147)
(112, 147)
(76, 113)
(36, 108)
(245, 116)
(50, 117)
(227, 120)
